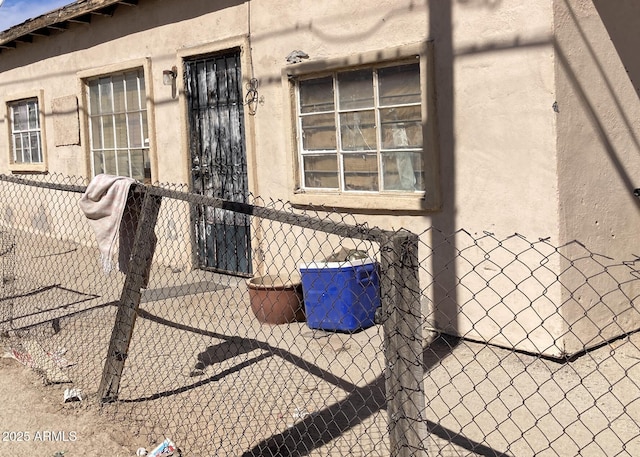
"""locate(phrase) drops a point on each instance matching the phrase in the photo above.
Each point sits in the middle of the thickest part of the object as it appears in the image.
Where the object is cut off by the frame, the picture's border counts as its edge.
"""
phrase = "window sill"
(28, 167)
(365, 202)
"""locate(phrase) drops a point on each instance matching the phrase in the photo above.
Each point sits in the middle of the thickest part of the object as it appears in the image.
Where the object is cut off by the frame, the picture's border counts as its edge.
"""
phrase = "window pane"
(109, 158)
(17, 152)
(106, 96)
(20, 117)
(131, 81)
(402, 171)
(107, 129)
(358, 131)
(98, 163)
(145, 130)
(319, 132)
(121, 131)
(316, 95)
(360, 172)
(135, 135)
(26, 147)
(123, 163)
(355, 89)
(118, 94)
(23, 139)
(94, 97)
(321, 171)
(32, 107)
(401, 127)
(34, 138)
(138, 164)
(399, 85)
(141, 88)
(96, 133)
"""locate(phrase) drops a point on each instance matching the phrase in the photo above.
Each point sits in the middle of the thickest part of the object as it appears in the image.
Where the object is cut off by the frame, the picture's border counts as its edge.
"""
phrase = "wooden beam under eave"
(107, 11)
(9, 45)
(41, 32)
(24, 39)
(128, 2)
(59, 26)
(85, 19)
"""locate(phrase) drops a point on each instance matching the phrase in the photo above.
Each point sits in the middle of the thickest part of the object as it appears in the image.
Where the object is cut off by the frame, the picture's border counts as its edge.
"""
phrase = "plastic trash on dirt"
(72, 395)
(165, 449)
(51, 364)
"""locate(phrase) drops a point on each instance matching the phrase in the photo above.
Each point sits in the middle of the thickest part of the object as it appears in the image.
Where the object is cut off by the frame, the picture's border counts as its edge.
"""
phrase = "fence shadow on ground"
(530, 349)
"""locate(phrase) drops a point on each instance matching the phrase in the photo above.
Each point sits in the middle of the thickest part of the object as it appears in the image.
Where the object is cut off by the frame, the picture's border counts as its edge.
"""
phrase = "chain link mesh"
(343, 340)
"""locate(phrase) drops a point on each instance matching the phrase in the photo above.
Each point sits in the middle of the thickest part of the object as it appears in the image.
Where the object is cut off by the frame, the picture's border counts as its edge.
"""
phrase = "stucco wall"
(499, 140)
(598, 132)
(511, 159)
(598, 151)
(497, 136)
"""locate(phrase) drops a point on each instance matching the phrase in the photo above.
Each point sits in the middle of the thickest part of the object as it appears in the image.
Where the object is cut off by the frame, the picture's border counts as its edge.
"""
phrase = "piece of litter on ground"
(165, 449)
(21, 355)
(300, 413)
(72, 395)
(32, 355)
(141, 452)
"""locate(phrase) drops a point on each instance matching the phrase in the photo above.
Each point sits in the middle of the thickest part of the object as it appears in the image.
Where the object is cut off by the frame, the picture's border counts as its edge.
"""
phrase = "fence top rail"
(360, 232)
(46, 185)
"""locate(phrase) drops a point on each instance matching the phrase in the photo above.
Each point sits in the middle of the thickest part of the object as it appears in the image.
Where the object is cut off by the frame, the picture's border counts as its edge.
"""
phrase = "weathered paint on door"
(218, 160)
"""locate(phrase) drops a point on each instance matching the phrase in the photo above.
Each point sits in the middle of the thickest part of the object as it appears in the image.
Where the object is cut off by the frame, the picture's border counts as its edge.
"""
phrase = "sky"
(13, 12)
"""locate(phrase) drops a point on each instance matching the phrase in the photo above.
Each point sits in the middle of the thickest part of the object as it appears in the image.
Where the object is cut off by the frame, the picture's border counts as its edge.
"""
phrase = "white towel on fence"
(103, 203)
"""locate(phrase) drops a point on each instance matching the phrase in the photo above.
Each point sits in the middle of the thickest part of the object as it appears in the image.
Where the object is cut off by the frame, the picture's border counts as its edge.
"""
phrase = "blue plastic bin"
(340, 296)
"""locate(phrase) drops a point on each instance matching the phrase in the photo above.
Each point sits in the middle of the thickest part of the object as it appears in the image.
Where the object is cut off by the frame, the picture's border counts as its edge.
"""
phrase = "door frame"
(241, 44)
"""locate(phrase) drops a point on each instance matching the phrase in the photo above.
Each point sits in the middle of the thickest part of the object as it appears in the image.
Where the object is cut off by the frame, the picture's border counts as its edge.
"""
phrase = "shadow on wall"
(623, 41)
(40, 220)
(621, 20)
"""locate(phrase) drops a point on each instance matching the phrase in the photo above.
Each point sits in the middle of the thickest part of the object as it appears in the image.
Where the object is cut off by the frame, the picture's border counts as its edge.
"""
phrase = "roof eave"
(80, 11)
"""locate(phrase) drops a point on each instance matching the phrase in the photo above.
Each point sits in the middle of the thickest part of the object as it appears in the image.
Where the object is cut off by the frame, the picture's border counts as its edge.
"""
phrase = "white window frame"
(40, 162)
(416, 201)
(98, 146)
(108, 70)
(340, 152)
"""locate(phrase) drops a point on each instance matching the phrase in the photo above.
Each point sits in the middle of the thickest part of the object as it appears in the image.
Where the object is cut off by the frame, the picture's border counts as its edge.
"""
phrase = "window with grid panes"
(26, 138)
(361, 130)
(118, 125)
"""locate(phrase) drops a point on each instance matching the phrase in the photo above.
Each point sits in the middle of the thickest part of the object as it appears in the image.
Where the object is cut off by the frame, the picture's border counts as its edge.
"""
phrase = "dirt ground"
(267, 387)
(35, 422)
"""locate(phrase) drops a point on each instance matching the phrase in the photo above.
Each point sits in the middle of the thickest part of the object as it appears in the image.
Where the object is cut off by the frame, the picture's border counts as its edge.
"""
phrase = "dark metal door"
(218, 160)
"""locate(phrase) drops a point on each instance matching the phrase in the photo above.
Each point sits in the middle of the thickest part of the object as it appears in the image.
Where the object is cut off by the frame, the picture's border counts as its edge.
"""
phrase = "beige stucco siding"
(534, 121)
(598, 132)
(598, 157)
(503, 141)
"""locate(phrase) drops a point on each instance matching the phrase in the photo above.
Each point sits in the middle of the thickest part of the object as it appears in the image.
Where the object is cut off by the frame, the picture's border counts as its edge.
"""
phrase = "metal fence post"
(141, 257)
(400, 294)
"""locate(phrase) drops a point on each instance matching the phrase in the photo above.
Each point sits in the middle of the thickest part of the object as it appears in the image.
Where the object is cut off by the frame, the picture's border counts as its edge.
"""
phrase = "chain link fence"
(343, 339)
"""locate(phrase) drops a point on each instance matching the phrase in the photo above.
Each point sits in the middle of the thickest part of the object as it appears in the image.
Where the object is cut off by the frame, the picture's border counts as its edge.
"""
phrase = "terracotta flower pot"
(276, 300)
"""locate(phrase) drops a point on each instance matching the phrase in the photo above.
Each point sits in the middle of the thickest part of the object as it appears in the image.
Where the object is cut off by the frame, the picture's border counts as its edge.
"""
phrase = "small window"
(118, 130)
(362, 130)
(26, 134)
